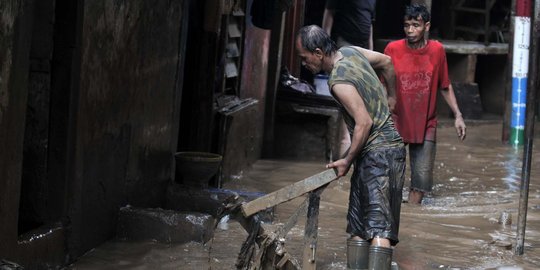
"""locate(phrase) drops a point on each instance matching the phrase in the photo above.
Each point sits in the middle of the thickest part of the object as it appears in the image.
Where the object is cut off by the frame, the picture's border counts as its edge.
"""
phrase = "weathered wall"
(127, 112)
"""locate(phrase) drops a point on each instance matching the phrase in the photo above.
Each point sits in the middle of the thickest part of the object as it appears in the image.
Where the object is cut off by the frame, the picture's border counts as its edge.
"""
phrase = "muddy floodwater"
(457, 226)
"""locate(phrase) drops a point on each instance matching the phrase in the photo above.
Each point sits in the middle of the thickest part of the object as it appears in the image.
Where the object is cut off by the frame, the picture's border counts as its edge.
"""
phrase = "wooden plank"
(471, 68)
(462, 47)
(309, 261)
(291, 222)
(462, 67)
(266, 258)
(289, 192)
(472, 47)
(272, 79)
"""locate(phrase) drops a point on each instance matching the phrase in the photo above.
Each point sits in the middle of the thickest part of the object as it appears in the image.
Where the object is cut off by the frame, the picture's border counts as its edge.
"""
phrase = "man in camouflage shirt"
(377, 151)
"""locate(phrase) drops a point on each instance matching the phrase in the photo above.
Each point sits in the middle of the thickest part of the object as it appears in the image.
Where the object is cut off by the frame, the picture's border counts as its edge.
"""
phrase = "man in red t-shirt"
(421, 70)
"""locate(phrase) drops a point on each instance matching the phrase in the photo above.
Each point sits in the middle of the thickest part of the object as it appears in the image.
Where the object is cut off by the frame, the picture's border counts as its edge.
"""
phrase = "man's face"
(415, 29)
(310, 60)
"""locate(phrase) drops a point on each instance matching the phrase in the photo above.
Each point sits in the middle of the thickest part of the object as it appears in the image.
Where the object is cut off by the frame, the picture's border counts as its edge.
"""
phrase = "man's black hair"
(313, 37)
(414, 11)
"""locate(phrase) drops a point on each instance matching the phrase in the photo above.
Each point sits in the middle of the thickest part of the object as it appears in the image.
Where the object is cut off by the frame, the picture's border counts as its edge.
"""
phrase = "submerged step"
(185, 198)
(166, 226)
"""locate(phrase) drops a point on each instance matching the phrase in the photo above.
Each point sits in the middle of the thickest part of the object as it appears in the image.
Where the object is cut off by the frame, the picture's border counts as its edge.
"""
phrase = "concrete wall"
(110, 76)
(113, 89)
(127, 112)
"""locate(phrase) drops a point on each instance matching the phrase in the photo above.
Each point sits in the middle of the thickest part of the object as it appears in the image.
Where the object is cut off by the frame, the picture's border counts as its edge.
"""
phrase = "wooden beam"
(266, 258)
(294, 21)
(272, 81)
(289, 192)
(311, 230)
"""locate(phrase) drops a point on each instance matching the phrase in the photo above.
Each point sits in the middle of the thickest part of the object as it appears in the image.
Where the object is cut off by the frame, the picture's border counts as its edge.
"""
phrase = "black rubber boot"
(380, 258)
(357, 254)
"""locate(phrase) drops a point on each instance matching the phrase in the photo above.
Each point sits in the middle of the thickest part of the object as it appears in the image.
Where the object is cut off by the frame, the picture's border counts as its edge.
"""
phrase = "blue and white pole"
(520, 69)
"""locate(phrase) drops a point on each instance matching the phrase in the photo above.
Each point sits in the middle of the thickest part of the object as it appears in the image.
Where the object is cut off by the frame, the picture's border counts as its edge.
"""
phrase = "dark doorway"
(45, 151)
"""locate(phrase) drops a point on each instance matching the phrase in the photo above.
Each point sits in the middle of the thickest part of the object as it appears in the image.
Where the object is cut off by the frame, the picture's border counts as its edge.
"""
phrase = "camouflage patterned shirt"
(354, 69)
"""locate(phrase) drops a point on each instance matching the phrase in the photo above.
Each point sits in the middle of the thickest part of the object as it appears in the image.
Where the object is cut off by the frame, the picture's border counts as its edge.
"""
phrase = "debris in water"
(223, 223)
(504, 244)
(505, 218)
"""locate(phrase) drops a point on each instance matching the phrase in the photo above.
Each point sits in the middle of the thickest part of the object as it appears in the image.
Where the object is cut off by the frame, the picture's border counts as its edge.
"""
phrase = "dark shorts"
(376, 194)
(422, 159)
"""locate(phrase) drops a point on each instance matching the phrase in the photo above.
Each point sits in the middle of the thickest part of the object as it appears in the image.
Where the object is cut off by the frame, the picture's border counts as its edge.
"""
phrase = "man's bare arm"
(450, 98)
(354, 104)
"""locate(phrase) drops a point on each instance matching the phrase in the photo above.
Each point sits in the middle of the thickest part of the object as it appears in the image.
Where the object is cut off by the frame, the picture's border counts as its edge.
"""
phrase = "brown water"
(456, 227)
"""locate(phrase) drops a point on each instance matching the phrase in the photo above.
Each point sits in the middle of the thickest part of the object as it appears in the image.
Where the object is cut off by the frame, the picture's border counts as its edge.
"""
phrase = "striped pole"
(529, 130)
(520, 69)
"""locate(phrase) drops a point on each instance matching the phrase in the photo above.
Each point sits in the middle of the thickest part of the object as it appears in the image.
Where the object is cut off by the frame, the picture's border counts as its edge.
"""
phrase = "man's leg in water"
(422, 159)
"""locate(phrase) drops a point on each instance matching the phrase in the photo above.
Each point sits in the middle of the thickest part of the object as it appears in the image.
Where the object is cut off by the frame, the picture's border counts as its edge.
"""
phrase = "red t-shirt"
(419, 74)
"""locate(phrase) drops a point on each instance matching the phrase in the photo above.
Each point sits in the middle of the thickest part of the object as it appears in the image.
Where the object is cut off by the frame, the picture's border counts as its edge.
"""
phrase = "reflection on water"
(458, 226)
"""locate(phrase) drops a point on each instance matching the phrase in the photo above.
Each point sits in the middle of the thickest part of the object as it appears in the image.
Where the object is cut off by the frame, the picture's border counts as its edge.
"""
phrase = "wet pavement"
(457, 226)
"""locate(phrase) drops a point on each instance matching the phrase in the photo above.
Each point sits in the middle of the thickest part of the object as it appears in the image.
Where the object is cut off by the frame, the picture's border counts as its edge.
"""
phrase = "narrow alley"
(125, 124)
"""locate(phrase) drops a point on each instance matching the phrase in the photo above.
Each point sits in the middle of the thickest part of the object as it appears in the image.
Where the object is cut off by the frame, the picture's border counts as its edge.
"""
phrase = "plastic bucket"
(321, 84)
